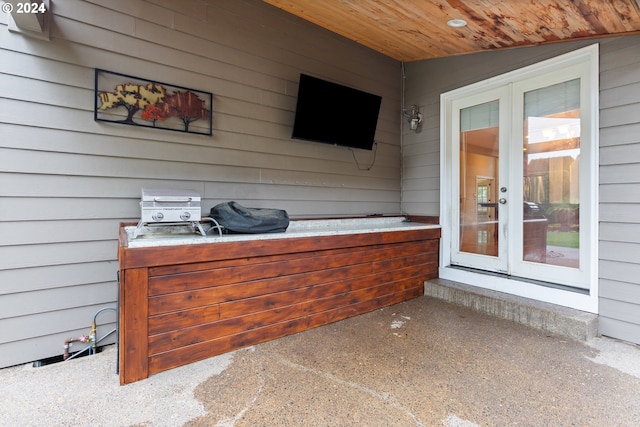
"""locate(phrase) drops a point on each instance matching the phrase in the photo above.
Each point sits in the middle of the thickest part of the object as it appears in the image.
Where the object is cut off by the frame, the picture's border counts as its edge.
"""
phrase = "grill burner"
(169, 207)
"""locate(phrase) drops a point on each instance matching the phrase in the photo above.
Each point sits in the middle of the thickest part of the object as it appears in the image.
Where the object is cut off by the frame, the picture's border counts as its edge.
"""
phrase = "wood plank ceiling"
(411, 30)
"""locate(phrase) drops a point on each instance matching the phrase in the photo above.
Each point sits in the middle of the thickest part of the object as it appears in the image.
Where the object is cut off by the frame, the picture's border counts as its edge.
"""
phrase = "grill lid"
(170, 196)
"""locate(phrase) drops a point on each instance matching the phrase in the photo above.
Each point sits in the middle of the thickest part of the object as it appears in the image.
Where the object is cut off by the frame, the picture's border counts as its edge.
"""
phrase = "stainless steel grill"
(166, 207)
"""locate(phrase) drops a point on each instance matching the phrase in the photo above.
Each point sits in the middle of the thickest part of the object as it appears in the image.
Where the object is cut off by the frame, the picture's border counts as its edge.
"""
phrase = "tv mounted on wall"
(335, 114)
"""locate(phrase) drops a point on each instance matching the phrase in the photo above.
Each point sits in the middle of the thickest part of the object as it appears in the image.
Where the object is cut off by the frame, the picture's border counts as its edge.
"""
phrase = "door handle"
(502, 201)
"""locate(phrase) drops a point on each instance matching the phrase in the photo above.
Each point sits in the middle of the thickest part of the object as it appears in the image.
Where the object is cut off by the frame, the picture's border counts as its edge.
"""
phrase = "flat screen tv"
(335, 114)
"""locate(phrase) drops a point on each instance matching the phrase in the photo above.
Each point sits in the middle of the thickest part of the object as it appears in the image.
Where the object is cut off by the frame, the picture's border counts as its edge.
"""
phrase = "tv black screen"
(335, 114)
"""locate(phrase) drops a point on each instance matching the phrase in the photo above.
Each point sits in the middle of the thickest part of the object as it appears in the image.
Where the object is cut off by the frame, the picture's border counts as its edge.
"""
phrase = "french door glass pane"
(551, 175)
(479, 157)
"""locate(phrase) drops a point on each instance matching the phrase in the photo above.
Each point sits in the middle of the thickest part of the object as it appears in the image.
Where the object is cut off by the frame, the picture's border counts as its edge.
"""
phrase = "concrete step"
(562, 321)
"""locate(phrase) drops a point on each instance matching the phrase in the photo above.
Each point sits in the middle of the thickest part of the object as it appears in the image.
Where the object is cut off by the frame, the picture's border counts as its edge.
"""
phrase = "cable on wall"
(373, 161)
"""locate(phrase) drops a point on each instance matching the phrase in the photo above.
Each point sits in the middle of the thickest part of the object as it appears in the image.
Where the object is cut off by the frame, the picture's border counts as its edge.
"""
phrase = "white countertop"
(169, 235)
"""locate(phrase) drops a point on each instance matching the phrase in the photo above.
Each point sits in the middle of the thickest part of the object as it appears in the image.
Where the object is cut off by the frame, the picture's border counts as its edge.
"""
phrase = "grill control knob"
(158, 216)
(185, 216)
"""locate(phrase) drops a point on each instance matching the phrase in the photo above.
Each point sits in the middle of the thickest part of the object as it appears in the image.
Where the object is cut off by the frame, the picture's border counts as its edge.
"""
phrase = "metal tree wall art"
(141, 102)
(133, 98)
(186, 106)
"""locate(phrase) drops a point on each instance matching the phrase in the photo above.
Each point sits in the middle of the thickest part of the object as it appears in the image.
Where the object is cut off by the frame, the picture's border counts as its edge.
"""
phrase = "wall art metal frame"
(134, 101)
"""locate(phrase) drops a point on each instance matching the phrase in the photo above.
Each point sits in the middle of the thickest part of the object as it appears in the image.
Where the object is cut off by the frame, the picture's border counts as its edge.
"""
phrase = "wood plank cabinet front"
(180, 304)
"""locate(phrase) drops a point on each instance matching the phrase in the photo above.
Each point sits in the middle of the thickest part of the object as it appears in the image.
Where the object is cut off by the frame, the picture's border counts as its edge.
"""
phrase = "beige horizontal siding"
(17, 281)
(66, 181)
(619, 185)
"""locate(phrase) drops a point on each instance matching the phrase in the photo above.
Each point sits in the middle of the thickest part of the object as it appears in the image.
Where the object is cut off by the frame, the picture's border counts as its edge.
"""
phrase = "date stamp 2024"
(26, 7)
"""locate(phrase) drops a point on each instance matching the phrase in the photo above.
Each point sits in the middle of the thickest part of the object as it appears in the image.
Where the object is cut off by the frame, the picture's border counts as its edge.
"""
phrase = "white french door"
(519, 179)
(479, 143)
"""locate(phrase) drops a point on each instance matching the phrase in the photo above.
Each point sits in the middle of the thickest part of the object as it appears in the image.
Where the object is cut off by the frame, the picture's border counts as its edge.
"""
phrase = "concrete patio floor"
(424, 362)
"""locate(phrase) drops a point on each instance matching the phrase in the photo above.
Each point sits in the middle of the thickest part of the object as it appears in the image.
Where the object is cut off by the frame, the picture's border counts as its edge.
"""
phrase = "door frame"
(581, 300)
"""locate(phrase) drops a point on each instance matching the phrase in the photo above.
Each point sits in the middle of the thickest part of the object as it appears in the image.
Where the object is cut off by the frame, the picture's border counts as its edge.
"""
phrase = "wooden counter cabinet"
(187, 302)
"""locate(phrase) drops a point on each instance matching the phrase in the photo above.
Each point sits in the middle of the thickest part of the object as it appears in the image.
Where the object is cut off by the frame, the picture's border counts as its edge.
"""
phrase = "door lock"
(503, 189)
(502, 201)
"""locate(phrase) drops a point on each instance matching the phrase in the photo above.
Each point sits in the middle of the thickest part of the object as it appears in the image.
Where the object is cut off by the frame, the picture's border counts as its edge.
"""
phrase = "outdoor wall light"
(414, 116)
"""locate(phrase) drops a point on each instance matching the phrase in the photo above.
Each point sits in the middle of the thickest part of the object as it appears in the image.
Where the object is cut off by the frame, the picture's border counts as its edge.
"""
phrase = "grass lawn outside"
(566, 239)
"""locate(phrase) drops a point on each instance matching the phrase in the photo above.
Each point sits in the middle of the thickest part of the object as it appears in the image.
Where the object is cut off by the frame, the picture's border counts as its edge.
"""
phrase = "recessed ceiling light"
(457, 23)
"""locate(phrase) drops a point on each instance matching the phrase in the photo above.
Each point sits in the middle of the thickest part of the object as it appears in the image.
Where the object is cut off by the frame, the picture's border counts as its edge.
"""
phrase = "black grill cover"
(236, 218)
